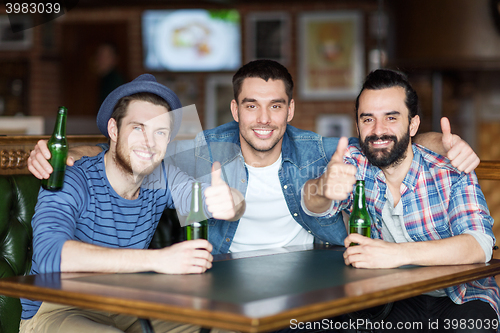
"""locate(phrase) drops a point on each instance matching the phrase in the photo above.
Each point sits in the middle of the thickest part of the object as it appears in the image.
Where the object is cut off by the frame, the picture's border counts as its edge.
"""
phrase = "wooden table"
(249, 292)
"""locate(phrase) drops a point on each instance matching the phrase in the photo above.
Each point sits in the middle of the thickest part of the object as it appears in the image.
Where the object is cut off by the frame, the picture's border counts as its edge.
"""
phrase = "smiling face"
(142, 139)
(262, 111)
(384, 127)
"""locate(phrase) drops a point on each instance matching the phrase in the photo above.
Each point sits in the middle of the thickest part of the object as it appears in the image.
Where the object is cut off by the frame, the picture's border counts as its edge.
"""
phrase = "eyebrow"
(390, 113)
(252, 100)
(248, 100)
(133, 123)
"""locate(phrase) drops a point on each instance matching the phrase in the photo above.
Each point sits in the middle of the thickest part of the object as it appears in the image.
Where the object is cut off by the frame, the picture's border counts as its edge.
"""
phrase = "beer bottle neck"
(60, 126)
(196, 213)
(359, 196)
(196, 197)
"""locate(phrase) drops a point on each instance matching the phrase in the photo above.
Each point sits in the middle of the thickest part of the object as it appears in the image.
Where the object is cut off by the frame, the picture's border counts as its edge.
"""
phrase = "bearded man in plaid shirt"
(424, 210)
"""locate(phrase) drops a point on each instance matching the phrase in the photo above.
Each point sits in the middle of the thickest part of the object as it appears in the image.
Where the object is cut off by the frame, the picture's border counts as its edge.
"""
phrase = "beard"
(385, 157)
(122, 159)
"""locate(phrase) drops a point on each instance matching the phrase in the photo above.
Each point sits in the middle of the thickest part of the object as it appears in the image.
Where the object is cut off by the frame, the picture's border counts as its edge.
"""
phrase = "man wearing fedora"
(107, 212)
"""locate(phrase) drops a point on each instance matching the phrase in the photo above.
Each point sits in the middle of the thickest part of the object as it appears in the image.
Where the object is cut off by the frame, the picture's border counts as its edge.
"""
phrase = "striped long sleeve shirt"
(88, 209)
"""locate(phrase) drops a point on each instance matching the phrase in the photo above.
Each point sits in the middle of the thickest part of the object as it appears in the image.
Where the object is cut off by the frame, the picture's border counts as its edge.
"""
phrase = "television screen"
(191, 40)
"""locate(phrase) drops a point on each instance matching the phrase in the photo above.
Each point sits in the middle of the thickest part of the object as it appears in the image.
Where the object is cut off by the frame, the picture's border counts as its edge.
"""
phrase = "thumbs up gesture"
(336, 183)
(338, 180)
(459, 152)
(222, 201)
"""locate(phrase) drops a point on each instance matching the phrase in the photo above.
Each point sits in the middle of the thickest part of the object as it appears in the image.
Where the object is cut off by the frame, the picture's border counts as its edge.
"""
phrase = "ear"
(414, 125)
(234, 110)
(291, 111)
(113, 129)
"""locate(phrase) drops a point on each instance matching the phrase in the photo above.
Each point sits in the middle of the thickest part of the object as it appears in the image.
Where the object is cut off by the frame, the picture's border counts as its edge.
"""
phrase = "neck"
(260, 159)
(395, 174)
(125, 184)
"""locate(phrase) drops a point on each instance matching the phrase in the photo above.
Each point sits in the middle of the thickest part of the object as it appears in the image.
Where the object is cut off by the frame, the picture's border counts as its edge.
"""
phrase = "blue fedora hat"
(143, 83)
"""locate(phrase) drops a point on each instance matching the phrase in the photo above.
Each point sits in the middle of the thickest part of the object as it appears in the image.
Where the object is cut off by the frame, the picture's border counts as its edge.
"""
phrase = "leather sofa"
(18, 196)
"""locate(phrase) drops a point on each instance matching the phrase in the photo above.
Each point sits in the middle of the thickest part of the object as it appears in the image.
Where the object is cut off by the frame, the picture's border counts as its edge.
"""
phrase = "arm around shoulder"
(39, 165)
(79, 151)
(459, 152)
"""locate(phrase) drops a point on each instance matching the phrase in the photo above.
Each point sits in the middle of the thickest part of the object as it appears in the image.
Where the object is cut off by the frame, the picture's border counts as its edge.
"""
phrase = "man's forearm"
(77, 256)
(461, 249)
(180, 258)
(376, 253)
(432, 141)
(79, 151)
(314, 200)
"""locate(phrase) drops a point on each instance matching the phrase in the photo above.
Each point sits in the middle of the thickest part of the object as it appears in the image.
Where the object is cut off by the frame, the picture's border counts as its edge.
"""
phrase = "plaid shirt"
(438, 202)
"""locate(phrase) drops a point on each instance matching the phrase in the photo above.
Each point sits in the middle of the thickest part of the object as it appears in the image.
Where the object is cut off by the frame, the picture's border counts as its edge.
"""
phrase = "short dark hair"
(386, 78)
(264, 69)
(121, 107)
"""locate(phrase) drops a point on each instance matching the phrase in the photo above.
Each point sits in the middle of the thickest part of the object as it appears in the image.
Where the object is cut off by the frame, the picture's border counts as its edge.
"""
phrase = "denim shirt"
(304, 156)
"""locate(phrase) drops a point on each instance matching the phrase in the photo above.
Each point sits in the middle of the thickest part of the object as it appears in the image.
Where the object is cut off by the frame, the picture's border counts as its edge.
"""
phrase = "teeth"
(262, 132)
(145, 155)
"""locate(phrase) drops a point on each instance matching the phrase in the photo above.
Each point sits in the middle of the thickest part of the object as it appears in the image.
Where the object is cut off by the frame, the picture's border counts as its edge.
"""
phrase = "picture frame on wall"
(19, 40)
(331, 55)
(218, 96)
(334, 125)
(268, 36)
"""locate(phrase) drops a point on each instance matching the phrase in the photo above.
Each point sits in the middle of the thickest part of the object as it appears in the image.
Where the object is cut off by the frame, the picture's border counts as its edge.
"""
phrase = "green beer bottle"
(196, 222)
(58, 147)
(359, 221)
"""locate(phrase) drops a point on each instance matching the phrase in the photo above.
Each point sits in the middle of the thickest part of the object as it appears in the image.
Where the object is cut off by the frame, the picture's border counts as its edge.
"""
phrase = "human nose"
(264, 117)
(379, 128)
(149, 139)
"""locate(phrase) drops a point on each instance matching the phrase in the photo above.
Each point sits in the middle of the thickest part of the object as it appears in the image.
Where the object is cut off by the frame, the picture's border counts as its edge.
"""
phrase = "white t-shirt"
(267, 222)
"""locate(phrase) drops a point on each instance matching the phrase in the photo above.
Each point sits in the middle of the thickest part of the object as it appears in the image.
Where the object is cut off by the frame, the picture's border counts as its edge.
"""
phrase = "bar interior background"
(449, 48)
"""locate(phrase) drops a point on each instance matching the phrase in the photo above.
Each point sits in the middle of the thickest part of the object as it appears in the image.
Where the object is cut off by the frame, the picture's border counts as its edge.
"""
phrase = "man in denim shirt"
(268, 161)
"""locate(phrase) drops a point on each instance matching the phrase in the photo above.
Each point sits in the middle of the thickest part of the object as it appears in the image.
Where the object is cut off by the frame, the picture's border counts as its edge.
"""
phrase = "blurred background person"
(106, 64)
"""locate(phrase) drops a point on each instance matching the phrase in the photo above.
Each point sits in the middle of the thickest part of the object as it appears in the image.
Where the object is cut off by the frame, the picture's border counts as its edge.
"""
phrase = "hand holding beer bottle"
(58, 147)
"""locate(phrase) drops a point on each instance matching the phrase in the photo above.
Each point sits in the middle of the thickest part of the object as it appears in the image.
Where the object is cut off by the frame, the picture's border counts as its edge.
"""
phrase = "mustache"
(385, 137)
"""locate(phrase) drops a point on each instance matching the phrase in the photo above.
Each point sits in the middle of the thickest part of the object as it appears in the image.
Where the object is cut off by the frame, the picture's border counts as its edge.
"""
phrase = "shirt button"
(309, 231)
(327, 243)
(243, 180)
(228, 240)
(295, 214)
(285, 187)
